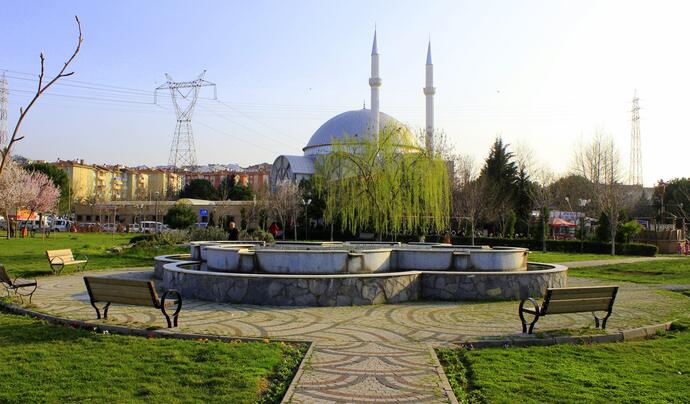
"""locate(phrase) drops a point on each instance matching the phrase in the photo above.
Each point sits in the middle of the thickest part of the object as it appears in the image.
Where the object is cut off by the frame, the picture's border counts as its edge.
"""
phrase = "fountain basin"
(359, 289)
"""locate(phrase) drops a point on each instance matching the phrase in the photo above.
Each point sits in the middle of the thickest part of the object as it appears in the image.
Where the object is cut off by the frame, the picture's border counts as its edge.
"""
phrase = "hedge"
(141, 237)
(565, 246)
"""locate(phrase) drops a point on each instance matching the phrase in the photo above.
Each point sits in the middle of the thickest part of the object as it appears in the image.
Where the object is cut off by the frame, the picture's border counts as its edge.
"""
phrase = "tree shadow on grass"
(18, 330)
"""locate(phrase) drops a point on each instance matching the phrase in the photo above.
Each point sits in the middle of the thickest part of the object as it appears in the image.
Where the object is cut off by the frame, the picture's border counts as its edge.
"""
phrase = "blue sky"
(542, 74)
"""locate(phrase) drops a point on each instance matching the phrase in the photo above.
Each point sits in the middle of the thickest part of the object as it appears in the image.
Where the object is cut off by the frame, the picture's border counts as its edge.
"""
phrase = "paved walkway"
(361, 353)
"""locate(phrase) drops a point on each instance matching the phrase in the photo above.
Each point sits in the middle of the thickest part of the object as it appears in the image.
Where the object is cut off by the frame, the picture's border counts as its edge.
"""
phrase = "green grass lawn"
(46, 363)
(555, 257)
(671, 271)
(656, 370)
(26, 256)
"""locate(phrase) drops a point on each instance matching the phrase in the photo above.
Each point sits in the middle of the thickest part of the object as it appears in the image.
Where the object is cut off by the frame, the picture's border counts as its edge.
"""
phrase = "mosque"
(357, 123)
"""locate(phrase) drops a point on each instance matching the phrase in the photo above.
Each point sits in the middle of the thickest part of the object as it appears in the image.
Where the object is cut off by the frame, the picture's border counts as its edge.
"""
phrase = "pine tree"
(500, 176)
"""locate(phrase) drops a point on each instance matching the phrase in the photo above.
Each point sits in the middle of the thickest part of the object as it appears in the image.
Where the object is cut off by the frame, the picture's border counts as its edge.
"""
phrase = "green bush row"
(565, 246)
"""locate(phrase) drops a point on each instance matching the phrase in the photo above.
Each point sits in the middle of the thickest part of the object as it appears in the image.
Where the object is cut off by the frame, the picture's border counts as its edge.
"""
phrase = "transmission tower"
(3, 110)
(184, 95)
(635, 144)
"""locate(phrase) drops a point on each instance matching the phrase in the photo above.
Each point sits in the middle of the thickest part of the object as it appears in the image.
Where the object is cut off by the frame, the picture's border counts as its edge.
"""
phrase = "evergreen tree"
(603, 232)
(199, 189)
(523, 202)
(180, 217)
(500, 177)
(510, 224)
(230, 189)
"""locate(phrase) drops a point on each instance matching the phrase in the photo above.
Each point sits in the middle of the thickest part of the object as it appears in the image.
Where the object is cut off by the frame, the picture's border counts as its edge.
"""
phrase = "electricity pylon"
(635, 144)
(182, 150)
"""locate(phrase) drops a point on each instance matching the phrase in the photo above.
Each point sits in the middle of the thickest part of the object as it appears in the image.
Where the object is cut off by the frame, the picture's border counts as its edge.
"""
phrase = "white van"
(61, 225)
(150, 227)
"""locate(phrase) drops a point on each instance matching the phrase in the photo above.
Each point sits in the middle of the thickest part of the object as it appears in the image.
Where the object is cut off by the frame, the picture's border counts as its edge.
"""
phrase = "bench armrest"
(24, 279)
(536, 313)
(56, 264)
(178, 299)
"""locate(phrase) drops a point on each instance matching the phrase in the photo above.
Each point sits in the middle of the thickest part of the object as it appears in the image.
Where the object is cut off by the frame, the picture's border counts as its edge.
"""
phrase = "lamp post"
(683, 217)
(156, 211)
(569, 206)
(582, 203)
(139, 213)
(306, 218)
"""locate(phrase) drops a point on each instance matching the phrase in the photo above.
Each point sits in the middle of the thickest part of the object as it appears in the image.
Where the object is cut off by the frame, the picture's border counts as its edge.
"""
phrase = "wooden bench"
(59, 258)
(571, 300)
(131, 292)
(20, 287)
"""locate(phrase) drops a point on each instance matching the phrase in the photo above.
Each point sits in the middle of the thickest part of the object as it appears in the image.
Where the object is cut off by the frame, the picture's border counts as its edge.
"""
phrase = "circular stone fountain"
(353, 273)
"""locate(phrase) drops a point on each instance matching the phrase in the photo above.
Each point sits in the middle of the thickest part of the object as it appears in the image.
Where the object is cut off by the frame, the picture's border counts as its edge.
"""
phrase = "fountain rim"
(176, 267)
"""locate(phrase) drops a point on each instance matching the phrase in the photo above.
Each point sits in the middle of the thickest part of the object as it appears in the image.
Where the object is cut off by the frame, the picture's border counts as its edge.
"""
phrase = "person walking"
(233, 232)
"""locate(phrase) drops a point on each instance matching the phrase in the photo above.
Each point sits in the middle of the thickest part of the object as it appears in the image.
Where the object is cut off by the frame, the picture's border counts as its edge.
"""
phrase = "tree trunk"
(614, 224)
(543, 232)
(472, 231)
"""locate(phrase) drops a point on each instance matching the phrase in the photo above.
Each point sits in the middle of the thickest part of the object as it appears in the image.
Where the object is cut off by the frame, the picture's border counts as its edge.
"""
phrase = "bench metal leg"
(24, 294)
(56, 268)
(98, 312)
(56, 265)
(603, 321)
(535, 313)
(175, 315)
(7, 290)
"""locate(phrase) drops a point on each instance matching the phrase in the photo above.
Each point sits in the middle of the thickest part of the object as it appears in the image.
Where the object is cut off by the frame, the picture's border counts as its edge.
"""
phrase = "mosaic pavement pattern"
(377, 354)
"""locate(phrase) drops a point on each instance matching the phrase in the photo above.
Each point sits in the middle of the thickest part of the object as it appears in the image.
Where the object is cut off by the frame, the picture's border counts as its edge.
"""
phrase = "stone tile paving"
(362, 353)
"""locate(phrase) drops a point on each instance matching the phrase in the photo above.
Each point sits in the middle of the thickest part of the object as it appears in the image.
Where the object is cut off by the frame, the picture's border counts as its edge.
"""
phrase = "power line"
(249, 128)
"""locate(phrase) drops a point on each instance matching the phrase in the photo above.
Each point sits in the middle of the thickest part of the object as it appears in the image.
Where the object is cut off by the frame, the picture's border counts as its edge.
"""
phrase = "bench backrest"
(66, 255)
(575, 300)
(4, 277)
(123, 291)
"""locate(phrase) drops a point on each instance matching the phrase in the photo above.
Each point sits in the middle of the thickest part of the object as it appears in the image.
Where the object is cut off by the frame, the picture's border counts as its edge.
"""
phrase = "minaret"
(375, 83)
(429, 92)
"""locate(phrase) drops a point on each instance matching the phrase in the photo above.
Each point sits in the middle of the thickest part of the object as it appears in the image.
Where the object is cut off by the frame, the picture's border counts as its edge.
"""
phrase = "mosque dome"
(354, 124)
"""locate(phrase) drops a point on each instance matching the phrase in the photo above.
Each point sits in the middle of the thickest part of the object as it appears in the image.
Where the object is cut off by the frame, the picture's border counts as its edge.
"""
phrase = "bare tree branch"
(7, 152)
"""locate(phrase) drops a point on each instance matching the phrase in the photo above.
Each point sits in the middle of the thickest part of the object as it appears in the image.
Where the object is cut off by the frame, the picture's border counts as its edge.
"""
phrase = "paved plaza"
(361, 353)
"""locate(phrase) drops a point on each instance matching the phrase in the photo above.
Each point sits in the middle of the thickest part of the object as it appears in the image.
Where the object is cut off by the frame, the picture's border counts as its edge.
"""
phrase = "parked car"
(150, 226)
(29, 224)
(88, 227)
(61, 225)
(133, 228)
(109, 227)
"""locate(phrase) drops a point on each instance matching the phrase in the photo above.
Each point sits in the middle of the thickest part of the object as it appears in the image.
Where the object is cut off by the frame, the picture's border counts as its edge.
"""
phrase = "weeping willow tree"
(382, 185)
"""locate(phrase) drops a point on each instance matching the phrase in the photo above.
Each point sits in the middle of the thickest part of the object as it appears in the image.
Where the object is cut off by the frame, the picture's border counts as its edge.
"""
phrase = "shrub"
(258, 235)
(141, 237)
(166, 238)
(566, 246)
(180, 217)
(207, 234)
